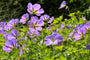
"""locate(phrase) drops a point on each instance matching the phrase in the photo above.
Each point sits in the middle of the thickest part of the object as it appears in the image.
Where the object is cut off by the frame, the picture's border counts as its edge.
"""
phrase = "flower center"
(53, 39)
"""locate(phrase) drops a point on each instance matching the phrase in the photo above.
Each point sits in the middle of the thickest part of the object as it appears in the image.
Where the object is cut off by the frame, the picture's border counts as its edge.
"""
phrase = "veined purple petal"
(2, 23)
(9, 25)
(7, 49)
(32, 30)
(10, 36)
(58, 38)
(39, 28)
(30, 6)
(44, 17)
(29, 11)
(14, 41)
(48, 37)
(15, 32)
(40, 23)
(47, 43)
(53, 39)
(34, 19)
(24, 18)
(36, 7)
(16, 21)
(55, 42)
(39, 12)
(22, 21)
(9, 43)
(6, 28)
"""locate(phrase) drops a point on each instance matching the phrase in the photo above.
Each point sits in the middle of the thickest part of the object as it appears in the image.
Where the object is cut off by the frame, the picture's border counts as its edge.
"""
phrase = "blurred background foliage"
(16, 8)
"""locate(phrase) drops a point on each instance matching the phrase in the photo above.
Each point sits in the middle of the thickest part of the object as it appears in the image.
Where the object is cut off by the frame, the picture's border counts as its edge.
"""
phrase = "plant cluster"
(35, 35)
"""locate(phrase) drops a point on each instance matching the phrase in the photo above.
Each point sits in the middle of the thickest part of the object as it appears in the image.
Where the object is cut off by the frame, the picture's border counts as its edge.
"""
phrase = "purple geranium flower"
(24, 18)
(35, 23)
(12, 23)
(6, 28)
(35, 9)
(15, 32)
(53, 39)
(63, 4)
(88, 47)
(33, 33)
(44, 17)
(9, 45)
(13, 35)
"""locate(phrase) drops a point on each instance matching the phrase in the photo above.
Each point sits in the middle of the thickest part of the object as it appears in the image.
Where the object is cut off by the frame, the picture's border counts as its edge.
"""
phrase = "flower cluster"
(80, 31)
(11, 41)
(34, 24)
(32, 27)
(9, 45)
(46, 17)
(11, 24)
